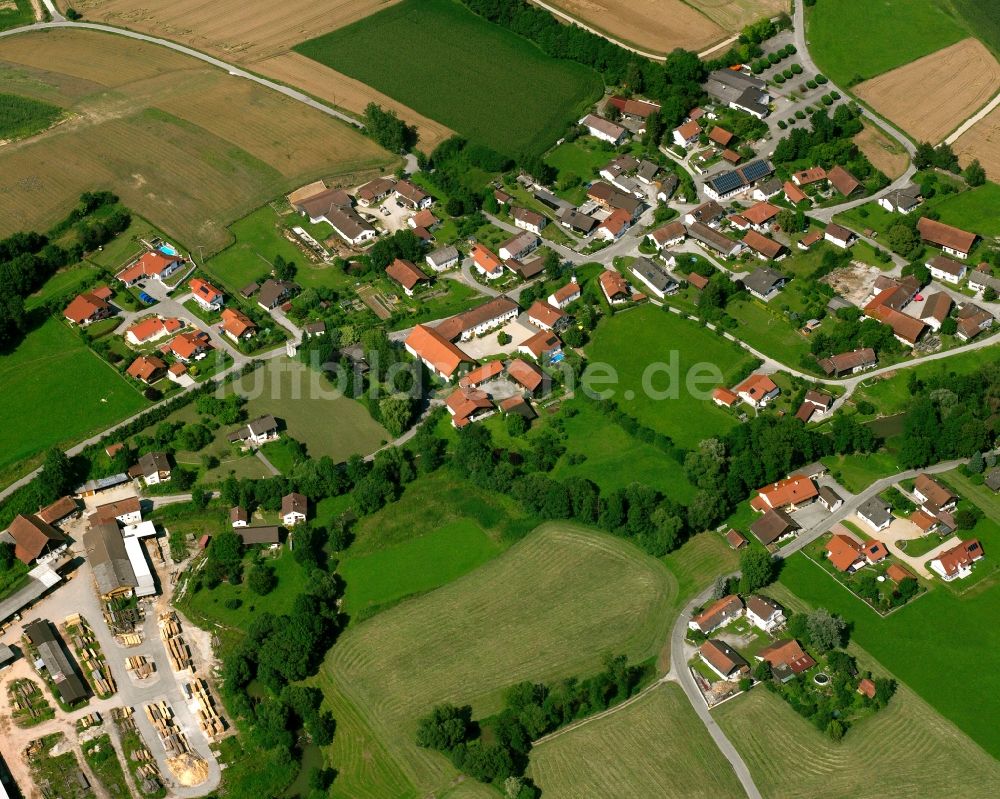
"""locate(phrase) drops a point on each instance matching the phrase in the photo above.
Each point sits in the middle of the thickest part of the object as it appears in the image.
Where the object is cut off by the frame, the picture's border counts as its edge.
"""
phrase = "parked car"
(146, 298)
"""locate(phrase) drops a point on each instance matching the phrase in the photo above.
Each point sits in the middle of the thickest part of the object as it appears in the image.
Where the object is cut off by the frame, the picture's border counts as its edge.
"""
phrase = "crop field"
(145, 123)
(546, 609)
(886, 154)
(950, 84)
(477, 78)
(657, 26)
(14, 13)
(656, 746)
(943, 632)
(633, 341)
(923, 753)
(24, 116)
(53, 376)
(415, 566)
(982, 141)
(848, 38)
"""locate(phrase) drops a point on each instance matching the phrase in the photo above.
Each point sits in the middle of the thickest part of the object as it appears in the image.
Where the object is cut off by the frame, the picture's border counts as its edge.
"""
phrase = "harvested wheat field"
(933, 95)
(145, 123)
(982, 141)
(657, 26)
(887, 155)
(734, 15)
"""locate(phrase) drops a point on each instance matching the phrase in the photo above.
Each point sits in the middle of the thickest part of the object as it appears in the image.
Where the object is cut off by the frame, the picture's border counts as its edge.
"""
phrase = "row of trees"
(386, 128)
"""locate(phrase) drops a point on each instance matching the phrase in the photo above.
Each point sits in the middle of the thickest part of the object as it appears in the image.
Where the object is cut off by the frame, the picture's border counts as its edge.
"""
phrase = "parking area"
(488, 346)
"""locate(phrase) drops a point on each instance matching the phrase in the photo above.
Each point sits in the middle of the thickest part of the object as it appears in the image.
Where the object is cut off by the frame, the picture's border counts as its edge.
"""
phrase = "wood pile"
(139, 667)
(177, 649)
(211, 723)
(148, 772)
(161, 716)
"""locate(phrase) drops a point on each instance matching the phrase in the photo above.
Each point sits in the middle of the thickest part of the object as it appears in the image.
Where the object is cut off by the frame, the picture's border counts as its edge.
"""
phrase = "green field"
(477, 78)
(415, 566)
(23, 116)
(848, 38)
(976, 210)
(54, 381)
(12, 17)
(630, 342)
(548, 608)
(769, 334)
(937, 645)
(919, 753)
(983, 19)
(656, 746)
(64, 283)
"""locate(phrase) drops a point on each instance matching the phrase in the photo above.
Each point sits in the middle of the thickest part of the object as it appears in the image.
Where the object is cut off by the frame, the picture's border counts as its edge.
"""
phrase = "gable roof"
(602, 125)
(482, 374)
(236, 322)
(937, 495)
(846, 361)
(410, 191)
(110, 511)
(545, 313)
(32, 537)
(571, 289)
(763, 607)
(876, 509)
(790, 491)
(464, 402)
(945, 235)
(204, 289)
(843, 181)
(947, 265)
(668, 232)
(793, 193)
(634, 108)
(938, 306)
(541, 343)
(454, 326)
(788, 653)
(761, 212)
(145, 367)
(712, 616)
(436, 349)
(720, 135)
(756, 386)
(689, 130)
(736, 539)
(375, 188)
(486, 259)
(59, 509)
(293, 503)
(84, 306)
(527, 374)
(108, 558)
(258, 535)
(613, 283)
(406, 273)
(962, 554)
(812, 175)
(843, 551)
(722, 656)
(773, 525)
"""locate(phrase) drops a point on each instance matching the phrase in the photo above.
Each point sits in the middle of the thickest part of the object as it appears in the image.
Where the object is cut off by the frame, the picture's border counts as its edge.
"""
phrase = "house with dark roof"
(764, 283)
(407, 275)
(154, 467)
(932, 495)
(946, 269)
(256, 432)
(109, 561)
(901, 201)
(839, 236)
(936, 310)
(656, 280)
(829, 498)
(714, 240)
(876, 513)
(972, 320)
(256, 536)
(56, 662)
(33, 538)
(273, 293)
(293, 509)
(722, 659)
(849, 363)
(604, 129)
(773, 526)
(764, 613)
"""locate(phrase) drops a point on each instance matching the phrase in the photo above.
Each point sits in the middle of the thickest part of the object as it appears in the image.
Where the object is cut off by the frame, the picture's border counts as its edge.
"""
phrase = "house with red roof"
(956, 563)
(486, 262)
(153, 265)
(435, 350)
(566, 295)
(480, 375)
(614, 286)
(151, 329)
(237, 325)
(757, 390)
(724, 398)
(874, 551)
(719, 613)
(687, 134)
(791, 494)
(525, 374)
(146, 369)
(845, 553)
(467, 405)
(542, 314)
(544, 344)
(787, 659)
(89, 307)
(406, 274)
(207, 295)
(614, 227)
(190, 346)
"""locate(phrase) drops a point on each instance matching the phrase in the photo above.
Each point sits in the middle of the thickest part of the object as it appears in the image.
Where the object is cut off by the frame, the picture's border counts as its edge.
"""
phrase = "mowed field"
(886, 154)
(864, 38)
(56, 391)
(640, 345)
(933, 95)
(982, 141)
(656, 746)
(146, 123)
(548, 608)
(477, 78)
(903, 751)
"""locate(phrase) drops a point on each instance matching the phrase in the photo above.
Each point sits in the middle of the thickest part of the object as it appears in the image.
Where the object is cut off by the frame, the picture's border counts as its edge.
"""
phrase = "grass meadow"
(484, 82)
(656, 746)
(852, 38)
(548, 608)
(633, 340)
(937, 645)
(56, 391)
(23, 116)
(20, 14)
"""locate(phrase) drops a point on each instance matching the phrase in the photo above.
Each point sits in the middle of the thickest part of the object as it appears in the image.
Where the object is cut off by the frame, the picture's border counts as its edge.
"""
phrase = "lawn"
(848, 38)
(976, 210)
(656, 746)
(100, 755)
(479, 79)
(546, 609)
(65, 283)
(53, 379)
(772, 335)
(21, 14)
(415, 566)
(634, 342)
(857, 472)
(23, 116)
(922, 753)
(937, 645)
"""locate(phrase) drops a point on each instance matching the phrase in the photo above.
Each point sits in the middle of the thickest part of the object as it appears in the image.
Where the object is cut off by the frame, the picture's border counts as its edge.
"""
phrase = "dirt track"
(931, 96)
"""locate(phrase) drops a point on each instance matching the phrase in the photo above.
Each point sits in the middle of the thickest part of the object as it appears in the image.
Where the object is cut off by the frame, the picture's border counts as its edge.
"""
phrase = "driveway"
(905, 530)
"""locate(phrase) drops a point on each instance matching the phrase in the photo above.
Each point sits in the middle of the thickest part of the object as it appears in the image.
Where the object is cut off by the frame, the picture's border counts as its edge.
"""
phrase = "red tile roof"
(545, 313)
(85, 306)
(406, 273)
(145, 367)
(725, 396)
(963, 554)
(812, 175)
(32, 536)
(761, 212)
(875, 551)
(945, 235)
(793, 192)
(485, 259)
(689, 130)
(844, 551)
(541, 343)
(720, 135)
(431, 346)
(481, 375)
(756, 386)
(464, 402)
(790, 491)
(843, 181)
(613, 283)
(236, 323)
(205, 290)
(787, 653)
(767, 247)
(527, 374)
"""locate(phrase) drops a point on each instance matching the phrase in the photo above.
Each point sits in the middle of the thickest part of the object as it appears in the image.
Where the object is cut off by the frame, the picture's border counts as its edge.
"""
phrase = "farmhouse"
(901, 201)
(480, 375)
(764, 613)
(566, 295)
(205, 294)
(146, 369)
(723, 397)
(154, 468)
(774, 526)
(950, 239)
(757, 390)
(906, 329)
(237, 325)
(257, 536)
(603, 129)
(936, 310)
(614, 227)
(436, 351)
(956, 563)
(543, 315)
(932, 496)
(543, 344)
(526, 219)
(714, 240)
(90, 307)
(444, 258)
(667, 235)
(630, 107)
(257, 432)
(806, 177)
(844, 553)
(653, 277)
(33, 538)
(615, 287)
(843, 181)
(154, 265)
(723, 185)
(518, 246)
(293, 509)
(786, 658)
(50, 651)
(375, 191)
(687, 134)
(791, 494)
(972, 320)
(760, 215)
(485, 262)
(725, 661)
(946, 269)
(467, 405)
(574, 220)
(412, 196)
(764, 282)
(719, 613)
(720, 136)
(611, 198)
(349, 226)
(319, 206)
(406, 274)
(839, 236)
(151, 329)
(479, 320)
(525, 374)
(876, 513)
(273, 293)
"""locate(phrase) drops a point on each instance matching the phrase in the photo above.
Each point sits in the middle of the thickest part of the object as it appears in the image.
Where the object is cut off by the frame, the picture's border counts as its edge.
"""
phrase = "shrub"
(790, 49)
(811, 83)
(773, 58)
(821, 79)
(787, 74)
(782, 124)
(779, 78)
(827, 99)
(800, 114)
(797, 69)
(835, 95)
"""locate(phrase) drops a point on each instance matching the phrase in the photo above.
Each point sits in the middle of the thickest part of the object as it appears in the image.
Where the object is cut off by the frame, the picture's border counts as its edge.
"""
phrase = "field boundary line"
(979, 116)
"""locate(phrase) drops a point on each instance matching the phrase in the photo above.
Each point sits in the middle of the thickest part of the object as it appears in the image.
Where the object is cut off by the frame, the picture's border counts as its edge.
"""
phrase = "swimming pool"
(168, 249)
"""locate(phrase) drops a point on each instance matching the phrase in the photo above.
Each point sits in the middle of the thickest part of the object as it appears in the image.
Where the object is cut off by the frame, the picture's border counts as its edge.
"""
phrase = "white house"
(901, 201)
(604, 129)
(293, 509)
(517, 247)
(566, 295)
(946, 269)
(687, 134)
(876, 513)
(956, 563)
(205, 294)
(442, 259)
(154, 468)
(764, 614)
(839, 236)
(256, 433)
(349, 226)
(529, 220)
(238, 517)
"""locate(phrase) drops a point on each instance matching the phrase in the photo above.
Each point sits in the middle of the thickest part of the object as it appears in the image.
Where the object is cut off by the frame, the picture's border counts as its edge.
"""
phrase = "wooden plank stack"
(177, 649)
(161, 716)
(211, 723)
(139, 667)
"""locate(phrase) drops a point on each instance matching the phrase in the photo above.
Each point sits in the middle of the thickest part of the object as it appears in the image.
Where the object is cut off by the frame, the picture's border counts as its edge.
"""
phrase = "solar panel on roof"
(726, 182)
(755, 170)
